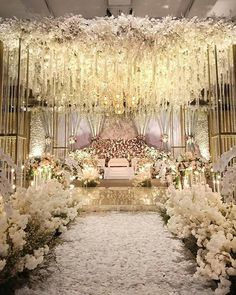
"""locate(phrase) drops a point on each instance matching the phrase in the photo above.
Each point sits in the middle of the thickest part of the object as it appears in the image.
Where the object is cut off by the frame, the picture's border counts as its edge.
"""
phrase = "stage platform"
(121, 183)
(112, 197)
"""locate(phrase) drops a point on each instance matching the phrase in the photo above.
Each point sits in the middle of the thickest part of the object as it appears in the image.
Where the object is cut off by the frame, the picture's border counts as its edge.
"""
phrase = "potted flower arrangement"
(143, 178)
(89, 176)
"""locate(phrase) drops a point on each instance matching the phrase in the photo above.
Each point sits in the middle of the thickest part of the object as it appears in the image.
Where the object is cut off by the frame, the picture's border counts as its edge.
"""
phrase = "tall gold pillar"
(222, 117)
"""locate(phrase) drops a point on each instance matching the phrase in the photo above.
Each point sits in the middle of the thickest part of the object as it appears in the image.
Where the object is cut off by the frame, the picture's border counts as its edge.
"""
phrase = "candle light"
(39, 175)
(196, 176)
(218, 183)
(34, 180)
(12, 177)
(218, 186)
(22, 176)
(214, 185)
(186, 182)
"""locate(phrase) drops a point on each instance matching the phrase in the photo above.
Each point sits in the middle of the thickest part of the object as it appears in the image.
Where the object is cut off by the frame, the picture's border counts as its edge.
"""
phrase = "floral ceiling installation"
(122, 65)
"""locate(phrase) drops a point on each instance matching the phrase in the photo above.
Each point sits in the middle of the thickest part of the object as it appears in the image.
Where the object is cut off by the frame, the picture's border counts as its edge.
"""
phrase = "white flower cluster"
(166, 167)
(143, 177)
(151, 58)
(89, 175)
(77, 29)
(29, 220)
(201, 213)
(228, 183)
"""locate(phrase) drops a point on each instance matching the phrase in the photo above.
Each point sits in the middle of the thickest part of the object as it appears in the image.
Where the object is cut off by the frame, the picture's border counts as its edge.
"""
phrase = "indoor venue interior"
(117, 147)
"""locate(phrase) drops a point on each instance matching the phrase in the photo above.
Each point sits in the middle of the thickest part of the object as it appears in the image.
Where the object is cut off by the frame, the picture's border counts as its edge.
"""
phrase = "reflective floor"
(120, 198)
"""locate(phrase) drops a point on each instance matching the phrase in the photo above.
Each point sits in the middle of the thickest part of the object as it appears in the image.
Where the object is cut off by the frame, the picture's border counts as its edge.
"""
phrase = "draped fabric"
(6, 165)
(163, 118)
(46, 116)
(74, 122)
(96, 122)
(191, 118)
(141, 122)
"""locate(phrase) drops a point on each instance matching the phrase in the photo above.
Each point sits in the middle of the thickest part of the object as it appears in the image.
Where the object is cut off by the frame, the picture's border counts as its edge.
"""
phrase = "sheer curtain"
(74, 122)
(163, 118)
(191, 118)
(96, 122)
(141, 122)
(46, 116)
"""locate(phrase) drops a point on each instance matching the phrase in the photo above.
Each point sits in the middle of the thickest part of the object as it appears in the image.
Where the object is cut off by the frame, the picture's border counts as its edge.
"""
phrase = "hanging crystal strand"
(228, 96)
(77, 77)
(43, 74)
(80, 79)
(222, 86)
(205, 79)
(104, 78)
(69, 67)
(57, 77)
(66, 80)
(129, 75)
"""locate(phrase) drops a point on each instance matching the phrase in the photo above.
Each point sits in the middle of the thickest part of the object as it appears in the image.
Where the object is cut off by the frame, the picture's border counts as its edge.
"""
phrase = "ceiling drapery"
(118, 65)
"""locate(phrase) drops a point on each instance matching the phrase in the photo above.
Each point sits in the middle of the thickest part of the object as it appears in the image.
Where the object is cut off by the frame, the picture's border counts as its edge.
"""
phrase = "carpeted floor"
(118, 254)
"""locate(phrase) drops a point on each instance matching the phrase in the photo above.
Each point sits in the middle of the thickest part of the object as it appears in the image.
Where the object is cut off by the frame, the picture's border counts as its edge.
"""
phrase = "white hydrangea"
(201, 213)
(2, 264)
(50, 207)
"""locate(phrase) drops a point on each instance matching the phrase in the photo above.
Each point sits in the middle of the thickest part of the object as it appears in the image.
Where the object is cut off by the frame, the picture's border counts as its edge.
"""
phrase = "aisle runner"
(119, 254)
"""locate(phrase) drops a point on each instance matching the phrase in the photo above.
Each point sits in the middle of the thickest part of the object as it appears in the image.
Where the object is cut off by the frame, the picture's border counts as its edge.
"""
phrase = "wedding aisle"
(119, 254)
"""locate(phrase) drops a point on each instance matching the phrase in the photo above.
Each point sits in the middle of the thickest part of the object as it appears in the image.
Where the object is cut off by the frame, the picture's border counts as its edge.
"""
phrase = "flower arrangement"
(166, 168)
(192, 169)
(143, 178)
(152, 153)
(86, 169)
(119, 148)
(144, 163)
(89, 176)
(41, 169)
(200, 213)
(85, 157)
(46, 165)
(193, 162)
(229, 183)
(29, 221)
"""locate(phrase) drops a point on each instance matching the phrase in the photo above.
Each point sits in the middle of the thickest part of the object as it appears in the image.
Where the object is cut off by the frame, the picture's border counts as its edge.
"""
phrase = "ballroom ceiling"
(93, 8)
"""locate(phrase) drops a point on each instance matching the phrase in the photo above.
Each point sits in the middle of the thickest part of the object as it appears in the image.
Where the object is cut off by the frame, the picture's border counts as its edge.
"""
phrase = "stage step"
(118, 173)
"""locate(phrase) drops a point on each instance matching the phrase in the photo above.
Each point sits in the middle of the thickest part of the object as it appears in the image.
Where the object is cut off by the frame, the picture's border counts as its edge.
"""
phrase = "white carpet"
(119, 254)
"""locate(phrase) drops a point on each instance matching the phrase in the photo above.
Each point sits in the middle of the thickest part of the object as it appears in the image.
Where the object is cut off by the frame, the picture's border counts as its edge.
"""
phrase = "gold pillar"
(222, 85)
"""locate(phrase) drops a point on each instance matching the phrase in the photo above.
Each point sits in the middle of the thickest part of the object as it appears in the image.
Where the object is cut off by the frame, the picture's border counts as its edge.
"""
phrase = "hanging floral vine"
(122, 65)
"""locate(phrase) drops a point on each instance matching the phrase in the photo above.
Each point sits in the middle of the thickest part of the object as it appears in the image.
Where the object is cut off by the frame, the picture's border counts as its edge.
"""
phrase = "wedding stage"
(119, 173)
(118, 114)
(118, 168)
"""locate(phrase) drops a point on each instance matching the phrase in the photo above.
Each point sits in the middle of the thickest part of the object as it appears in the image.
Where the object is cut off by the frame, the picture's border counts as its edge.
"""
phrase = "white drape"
(96, 122)
(141, 122)
(46, 116)
(74, 122)
(191, 118)
(163, 118)
(6, 165)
